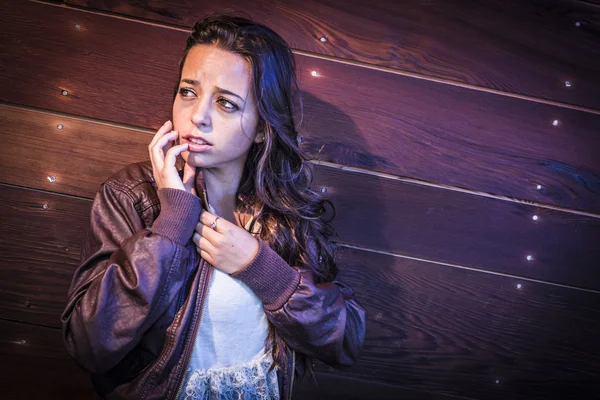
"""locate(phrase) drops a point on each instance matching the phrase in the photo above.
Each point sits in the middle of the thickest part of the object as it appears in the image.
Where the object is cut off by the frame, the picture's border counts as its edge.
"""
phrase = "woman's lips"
(196, 145)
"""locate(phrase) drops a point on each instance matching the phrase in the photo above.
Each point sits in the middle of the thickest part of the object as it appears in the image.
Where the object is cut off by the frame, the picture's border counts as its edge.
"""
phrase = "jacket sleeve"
(323, 321)
(129, 274)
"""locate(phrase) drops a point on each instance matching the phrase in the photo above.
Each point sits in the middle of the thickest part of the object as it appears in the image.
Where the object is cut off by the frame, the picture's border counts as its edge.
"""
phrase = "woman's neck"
(221, 191)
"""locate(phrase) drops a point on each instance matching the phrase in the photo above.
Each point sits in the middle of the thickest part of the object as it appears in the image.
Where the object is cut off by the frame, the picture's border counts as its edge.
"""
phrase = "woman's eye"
(186, 92)
(228, 105)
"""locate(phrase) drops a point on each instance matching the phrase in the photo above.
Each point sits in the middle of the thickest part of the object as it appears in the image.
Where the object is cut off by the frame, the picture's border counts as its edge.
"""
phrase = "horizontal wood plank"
(27, 348)
(62, 154)
(40, 251)
(461, 332)
(373, 212)
(463, 229)
(338, 387)
(529, 48)
(430, 327)
(450, 136)
(35, 365)
(423, 130)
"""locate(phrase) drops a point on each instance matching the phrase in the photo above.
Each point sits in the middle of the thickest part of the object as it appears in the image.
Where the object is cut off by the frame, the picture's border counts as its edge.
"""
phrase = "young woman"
(173, 301)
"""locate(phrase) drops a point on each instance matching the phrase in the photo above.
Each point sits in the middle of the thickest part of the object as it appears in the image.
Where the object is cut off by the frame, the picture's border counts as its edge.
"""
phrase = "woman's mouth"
(196, 144)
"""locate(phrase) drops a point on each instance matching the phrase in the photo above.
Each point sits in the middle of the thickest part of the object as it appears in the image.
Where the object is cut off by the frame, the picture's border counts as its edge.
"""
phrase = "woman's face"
(214, 110)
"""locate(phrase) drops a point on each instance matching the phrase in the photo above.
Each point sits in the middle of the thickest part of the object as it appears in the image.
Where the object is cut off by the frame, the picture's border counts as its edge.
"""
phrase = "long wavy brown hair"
(275, 187)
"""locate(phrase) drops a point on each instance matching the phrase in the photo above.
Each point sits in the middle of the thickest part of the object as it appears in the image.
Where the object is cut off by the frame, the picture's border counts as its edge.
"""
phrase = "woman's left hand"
(226, 247)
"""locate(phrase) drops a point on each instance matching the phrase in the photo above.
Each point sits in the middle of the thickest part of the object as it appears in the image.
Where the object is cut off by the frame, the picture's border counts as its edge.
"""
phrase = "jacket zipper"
(190, 348)
(191, 339)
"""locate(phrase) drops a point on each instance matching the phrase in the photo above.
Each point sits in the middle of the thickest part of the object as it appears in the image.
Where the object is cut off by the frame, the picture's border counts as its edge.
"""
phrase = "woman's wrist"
(270, 277)
(179, 211)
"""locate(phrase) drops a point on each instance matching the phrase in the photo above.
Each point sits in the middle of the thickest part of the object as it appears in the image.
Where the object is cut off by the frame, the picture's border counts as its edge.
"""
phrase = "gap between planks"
(29, 323)
(355, 63)
(364, 249)
(359, 170)
(483, 271)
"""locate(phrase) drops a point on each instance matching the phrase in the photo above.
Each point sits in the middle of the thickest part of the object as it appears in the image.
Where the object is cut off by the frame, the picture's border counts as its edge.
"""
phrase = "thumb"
(190, 173)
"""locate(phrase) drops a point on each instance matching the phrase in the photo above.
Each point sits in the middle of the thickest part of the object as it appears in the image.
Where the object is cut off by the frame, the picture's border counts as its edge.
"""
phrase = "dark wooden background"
(457, 139)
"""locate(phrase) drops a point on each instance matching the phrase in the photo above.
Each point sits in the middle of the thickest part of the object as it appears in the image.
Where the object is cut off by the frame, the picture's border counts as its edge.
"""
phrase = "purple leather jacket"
(135, 302)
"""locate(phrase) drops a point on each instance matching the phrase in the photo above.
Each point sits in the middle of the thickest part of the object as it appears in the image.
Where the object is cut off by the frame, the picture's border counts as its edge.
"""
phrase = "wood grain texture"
(530, 48)
(35, 365)
(80, 155)
(40, 251)
(340, 387)
(373, 212)
(29, 350)
(463, 229)
(430, 327)
(450, 136)
(465, 333)
(418, 129)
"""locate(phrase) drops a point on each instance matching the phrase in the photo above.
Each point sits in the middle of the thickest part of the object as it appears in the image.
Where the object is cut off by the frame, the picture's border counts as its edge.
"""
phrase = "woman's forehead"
(216, 67)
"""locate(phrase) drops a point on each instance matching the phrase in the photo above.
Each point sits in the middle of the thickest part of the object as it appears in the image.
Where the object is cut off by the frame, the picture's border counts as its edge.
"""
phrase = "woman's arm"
(323, 320)
(129, 274)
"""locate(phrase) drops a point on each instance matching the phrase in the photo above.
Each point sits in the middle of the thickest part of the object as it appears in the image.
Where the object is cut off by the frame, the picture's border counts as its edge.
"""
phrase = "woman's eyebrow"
(194, 82)
(225, 91)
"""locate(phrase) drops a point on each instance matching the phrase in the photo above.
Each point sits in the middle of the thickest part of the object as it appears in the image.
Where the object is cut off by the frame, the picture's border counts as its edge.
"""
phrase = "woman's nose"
(201, 117)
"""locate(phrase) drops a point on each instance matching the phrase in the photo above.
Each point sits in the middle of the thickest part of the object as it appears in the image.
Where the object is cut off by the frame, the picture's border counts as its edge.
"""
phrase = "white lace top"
(230, 360)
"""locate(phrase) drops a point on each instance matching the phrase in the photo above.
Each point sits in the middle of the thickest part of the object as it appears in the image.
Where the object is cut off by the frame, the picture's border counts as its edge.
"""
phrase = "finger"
(209, 233)
(173, 152)
(167, 126)
(205, 245)
(207, 257)
(157, 151)
(208, 215)
(196, 238)
(190, 173)
(222, 224)
(166, 138)
(164, 142)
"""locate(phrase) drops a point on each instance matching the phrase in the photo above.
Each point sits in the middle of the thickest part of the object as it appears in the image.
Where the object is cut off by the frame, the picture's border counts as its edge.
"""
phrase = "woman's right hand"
(163, 155)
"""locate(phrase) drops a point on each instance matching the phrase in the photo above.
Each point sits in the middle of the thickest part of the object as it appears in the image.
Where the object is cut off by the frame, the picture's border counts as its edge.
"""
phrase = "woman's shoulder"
(134, 179)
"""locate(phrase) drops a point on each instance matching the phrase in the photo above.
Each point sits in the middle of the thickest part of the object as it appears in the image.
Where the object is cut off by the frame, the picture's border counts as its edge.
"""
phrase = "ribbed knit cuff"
(179, 214)
(269, 277)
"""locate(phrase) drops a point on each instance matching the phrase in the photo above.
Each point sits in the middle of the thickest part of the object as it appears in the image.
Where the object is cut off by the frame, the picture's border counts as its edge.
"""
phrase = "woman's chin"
(194, 159)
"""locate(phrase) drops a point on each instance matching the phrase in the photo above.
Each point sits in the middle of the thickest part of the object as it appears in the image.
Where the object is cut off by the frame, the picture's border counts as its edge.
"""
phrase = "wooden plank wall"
(459, 142)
